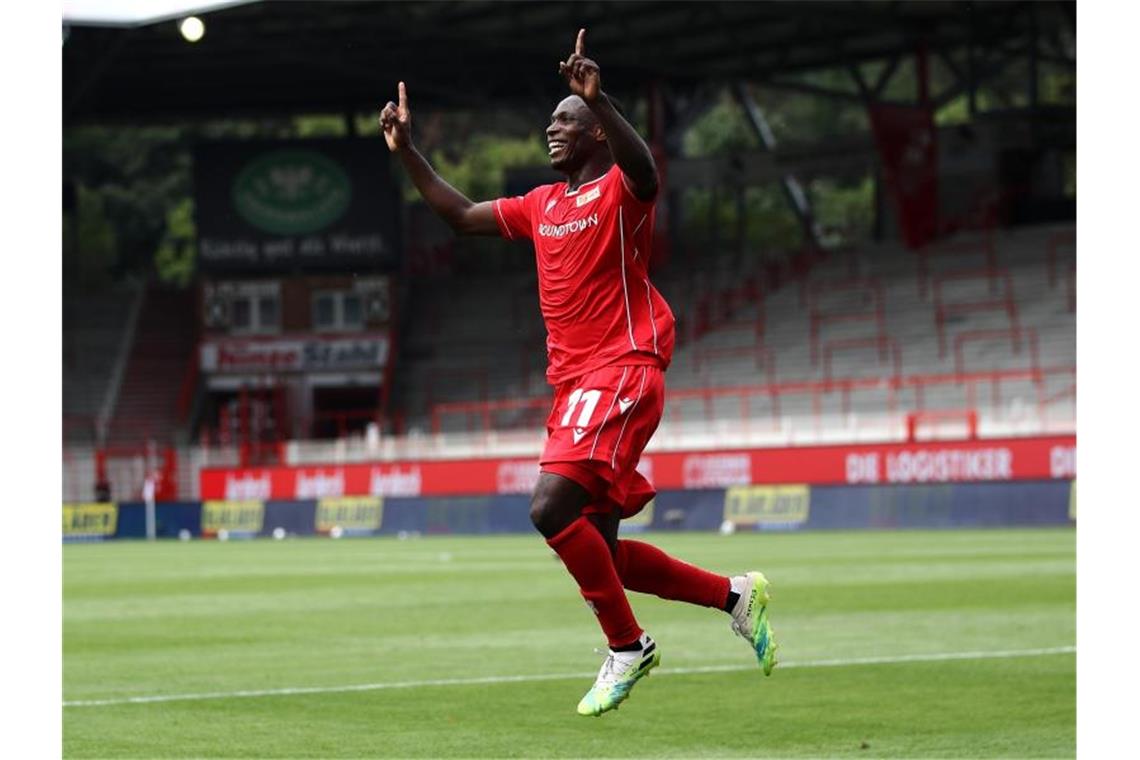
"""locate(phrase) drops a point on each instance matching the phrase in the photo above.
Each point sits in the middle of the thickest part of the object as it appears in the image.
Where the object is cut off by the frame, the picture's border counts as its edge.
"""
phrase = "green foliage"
(1069, 173)
(175, 257)
(89, 247)
(1058, 84)
(762, 217)
(132, 177)
(319, 126)
(844, 209)
(479, 166)
(799, 118)
(135, 206)
(721, 131)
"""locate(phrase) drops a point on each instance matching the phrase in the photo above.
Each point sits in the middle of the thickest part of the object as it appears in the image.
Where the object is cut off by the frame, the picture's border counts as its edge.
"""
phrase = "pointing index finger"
(580, 45)
(403, 95)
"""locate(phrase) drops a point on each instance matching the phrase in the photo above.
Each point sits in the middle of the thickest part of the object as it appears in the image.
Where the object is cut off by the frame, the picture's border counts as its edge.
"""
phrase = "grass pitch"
(907, 644)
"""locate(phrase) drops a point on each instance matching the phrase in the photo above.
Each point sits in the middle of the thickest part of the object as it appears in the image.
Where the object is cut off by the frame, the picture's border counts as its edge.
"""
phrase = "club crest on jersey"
(585, 198)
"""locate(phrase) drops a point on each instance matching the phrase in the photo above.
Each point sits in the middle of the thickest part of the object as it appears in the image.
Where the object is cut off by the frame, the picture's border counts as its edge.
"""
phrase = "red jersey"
(592, 248)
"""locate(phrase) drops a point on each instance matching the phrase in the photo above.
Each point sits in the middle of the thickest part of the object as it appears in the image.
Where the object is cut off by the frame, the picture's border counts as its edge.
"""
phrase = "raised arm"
(628, 149)
(460, 212)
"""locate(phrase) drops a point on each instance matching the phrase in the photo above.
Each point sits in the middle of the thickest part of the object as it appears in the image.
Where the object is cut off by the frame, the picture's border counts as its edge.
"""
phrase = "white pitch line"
(290, 691)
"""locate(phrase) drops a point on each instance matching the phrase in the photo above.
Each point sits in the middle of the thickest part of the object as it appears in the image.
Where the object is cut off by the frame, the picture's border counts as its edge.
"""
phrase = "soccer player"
(609, 340)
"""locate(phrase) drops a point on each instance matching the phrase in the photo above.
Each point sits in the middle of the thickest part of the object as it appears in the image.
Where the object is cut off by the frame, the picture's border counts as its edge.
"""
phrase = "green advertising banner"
(278, 206)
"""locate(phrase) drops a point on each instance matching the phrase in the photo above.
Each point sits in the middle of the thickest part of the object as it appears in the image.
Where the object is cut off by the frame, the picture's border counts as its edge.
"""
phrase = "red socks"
(638, 567)
(587, 557)
(645, 568)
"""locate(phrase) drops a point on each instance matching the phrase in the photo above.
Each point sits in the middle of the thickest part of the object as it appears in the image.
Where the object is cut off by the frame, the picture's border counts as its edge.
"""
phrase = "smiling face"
(573, 136)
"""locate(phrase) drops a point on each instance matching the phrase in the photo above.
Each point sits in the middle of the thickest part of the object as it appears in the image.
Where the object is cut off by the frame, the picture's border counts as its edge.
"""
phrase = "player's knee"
(545, 514)
(557, 502)
(550, 513)
(537, 511)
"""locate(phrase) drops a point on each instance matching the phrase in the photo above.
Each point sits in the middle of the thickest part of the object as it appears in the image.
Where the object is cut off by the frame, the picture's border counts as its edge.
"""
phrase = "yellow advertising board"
(767, 506)
(90, 519)
(351, 513)
(232, 517)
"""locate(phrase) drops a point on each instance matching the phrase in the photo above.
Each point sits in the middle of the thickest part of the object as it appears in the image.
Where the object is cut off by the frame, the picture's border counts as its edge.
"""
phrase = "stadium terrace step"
(162, 351)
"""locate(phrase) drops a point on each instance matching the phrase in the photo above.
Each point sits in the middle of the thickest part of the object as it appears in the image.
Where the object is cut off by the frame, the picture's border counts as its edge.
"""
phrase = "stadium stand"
(96, 335)
(970, 324)
(160, 355)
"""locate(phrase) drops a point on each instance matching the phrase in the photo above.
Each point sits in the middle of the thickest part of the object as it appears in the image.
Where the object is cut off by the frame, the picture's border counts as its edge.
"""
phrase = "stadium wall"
(746, 507)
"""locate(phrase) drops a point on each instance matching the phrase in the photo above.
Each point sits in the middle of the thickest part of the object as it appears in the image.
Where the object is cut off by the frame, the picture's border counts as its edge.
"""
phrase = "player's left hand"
(582, 73)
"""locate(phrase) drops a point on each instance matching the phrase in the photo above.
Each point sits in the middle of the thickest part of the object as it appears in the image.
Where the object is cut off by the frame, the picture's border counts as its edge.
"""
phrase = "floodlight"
(192, 28)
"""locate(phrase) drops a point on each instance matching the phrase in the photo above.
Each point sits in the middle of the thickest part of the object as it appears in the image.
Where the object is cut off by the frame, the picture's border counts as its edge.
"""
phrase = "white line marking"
(624, 287)
(290, 691)
(506, 227)
(652, 321)
(606, 416)
(640, 393)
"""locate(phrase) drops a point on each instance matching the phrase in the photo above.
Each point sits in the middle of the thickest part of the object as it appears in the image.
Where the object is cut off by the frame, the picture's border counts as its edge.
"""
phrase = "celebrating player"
(609, 340)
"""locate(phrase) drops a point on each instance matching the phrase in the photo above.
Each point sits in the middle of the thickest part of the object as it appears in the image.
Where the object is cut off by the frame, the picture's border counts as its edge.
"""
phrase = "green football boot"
(750, 618)
(619, 673)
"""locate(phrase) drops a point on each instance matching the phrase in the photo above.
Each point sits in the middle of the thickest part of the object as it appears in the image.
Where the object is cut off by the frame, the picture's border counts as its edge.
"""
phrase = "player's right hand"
(396, 122)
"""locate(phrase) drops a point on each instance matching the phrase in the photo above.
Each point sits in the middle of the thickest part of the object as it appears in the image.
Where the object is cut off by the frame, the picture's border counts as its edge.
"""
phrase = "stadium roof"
(135, 12)
(265, 58)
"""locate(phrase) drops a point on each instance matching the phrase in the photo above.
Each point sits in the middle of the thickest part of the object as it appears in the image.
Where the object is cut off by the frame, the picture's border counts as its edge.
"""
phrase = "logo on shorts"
(624, 404)
(578, 433)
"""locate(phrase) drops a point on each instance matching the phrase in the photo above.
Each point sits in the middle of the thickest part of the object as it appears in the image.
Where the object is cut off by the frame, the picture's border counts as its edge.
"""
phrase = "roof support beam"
(793, 190)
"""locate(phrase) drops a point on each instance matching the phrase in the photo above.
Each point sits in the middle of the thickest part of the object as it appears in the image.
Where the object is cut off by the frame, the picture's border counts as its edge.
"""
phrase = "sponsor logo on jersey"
(574, 225)
(593, 195)
(550, 203)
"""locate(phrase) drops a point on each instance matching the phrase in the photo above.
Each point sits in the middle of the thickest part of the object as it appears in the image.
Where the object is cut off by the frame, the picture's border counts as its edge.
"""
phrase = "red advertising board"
(1005, 459)
(298, 353)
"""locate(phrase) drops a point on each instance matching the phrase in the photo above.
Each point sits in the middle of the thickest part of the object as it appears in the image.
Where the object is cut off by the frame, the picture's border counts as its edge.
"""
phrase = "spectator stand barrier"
(472, 379)
(873, 308)
(916, 419)
(982, 247)
(1017, 336)
(483, 411)
(717, 309)
(885, 348)
(478, 415)
(1003, 302)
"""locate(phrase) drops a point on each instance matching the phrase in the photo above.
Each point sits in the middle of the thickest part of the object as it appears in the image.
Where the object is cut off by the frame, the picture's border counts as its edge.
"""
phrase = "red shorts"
(597, 430)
